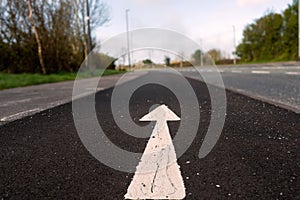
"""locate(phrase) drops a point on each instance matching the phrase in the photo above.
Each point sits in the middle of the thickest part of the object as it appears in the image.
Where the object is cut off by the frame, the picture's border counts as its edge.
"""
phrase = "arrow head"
(161, 113)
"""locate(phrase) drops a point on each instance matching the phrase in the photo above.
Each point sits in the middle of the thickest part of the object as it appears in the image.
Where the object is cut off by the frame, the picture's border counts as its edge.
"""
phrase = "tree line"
(271, 37)
(47, 36)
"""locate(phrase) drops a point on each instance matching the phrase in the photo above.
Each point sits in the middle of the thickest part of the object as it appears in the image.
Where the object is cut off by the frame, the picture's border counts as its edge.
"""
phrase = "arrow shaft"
(158, 175)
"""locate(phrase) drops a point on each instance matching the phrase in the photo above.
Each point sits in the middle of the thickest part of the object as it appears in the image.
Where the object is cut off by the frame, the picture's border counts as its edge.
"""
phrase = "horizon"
(212, 33)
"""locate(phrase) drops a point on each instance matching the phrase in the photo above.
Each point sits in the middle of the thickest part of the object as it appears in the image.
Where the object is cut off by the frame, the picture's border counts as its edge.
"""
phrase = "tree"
(290, 30)
(50, 34)
(271, 37)
(37, 37)
(197, 57)
(147, 62)
(97, 13)
(215, 54)
(167, 60)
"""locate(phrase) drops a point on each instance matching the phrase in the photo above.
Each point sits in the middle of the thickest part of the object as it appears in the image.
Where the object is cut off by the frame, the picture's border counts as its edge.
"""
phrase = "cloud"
(250, 2)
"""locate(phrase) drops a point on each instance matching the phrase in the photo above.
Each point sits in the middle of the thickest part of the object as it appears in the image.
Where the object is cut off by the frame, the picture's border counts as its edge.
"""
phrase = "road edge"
(31, 112)
(256, 97)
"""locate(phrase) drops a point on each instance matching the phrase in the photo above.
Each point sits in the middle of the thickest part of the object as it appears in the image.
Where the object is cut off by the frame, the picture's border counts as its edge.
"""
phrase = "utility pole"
(88, 18)
(234, 46)
(299, 30)
(201, 53)
(128, 42)
(201, 58)
(88, 25)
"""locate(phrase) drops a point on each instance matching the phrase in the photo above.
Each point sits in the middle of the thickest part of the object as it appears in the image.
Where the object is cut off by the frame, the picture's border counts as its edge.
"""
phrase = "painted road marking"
(282, 67)
(292, 73)
(260, 72)
(15, 102)
(19, 115)
(158, 175)
(236, 71)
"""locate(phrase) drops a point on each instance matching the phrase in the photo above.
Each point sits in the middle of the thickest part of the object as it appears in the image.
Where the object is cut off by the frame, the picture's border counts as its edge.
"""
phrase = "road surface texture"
(256, 157)
(278, 84)
(20, 102)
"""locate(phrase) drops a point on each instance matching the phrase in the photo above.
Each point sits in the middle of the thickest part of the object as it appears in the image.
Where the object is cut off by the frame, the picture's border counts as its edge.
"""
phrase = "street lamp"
(88, 26)
(128, 43)
(201, 53)
(299, 31)
(234, 45)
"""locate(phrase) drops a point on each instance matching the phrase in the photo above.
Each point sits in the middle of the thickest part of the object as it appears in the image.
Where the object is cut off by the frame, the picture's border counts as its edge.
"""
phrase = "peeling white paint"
(158, 174)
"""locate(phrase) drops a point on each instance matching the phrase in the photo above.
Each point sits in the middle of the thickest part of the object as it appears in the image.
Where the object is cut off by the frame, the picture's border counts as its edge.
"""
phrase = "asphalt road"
(25, 101)
(256, 157)
(278, 84)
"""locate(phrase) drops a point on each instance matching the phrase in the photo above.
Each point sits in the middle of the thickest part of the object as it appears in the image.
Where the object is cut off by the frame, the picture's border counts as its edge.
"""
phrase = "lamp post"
(88, 18)
(128, 43)
(88, 26)
(201, 53)
(234, 45)
(299, 31)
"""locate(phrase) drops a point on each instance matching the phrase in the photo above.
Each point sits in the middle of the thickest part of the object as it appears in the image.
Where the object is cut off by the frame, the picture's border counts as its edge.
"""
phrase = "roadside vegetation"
(52, 37)
(46, 41)
(20, 80)
(49, 36)
(273, 37)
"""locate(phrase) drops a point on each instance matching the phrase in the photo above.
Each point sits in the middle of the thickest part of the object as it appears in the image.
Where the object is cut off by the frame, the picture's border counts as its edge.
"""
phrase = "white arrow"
(158, 175)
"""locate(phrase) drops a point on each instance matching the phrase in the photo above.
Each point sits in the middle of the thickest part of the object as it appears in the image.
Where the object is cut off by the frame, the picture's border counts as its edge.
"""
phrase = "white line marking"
(236, 71)
(260, 72)
(20, 114)
(158, 175)
(280, 67)
(292, 73)
(15, 102)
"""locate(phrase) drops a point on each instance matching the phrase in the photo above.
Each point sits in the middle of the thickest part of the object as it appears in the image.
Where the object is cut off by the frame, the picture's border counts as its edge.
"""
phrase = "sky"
(208, 22)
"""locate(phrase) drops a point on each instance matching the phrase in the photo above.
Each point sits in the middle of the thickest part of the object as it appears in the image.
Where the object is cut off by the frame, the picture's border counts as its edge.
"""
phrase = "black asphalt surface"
(278, 84)
(257, 156)
(279, 87)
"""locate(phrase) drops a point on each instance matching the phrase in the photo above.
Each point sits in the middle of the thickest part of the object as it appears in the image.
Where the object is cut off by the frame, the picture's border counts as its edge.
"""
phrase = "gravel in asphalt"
(257, 156)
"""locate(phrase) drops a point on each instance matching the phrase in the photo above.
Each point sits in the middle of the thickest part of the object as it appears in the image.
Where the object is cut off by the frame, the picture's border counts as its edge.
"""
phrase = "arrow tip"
(161, 113)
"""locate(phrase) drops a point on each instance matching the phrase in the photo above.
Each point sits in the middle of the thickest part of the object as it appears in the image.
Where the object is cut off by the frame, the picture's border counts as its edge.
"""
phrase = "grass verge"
(21, 80)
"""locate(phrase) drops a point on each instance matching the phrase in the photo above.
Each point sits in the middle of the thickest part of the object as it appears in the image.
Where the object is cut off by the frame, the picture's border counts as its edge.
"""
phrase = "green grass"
(20, 80)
